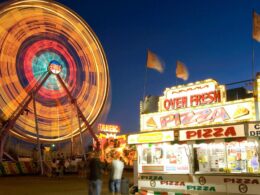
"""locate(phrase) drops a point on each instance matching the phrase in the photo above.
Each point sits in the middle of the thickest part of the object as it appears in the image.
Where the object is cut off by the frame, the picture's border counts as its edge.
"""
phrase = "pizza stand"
(203, 139)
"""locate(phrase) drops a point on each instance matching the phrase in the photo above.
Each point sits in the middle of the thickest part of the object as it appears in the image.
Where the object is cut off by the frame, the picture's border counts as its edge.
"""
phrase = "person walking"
(117, 167)
(95, 168)
(61, 165)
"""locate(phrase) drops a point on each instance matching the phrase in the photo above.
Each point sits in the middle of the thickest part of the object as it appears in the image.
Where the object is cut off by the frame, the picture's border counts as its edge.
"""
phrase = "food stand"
(204, 139)
(111, 143)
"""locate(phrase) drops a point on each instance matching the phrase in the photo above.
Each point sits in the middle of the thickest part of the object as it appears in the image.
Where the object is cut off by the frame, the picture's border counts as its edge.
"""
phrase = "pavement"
(42, 185)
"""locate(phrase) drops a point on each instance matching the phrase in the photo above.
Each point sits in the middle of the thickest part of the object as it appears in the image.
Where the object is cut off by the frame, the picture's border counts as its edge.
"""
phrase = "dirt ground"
(42, 185)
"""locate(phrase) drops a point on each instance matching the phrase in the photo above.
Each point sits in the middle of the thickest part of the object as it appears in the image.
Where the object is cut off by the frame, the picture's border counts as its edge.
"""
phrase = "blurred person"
(53, 168)
(61, 165)
(82, 168)
(67, 164)
(116, 171)
(95, 168)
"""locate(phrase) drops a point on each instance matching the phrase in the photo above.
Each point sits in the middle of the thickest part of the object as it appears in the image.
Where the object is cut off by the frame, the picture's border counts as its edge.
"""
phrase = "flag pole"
(176, 79)
(253, 48)
(145, 76)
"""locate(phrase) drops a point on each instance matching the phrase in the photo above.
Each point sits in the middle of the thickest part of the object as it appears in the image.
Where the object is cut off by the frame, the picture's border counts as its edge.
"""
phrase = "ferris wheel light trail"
(36, 36)
(54, 68)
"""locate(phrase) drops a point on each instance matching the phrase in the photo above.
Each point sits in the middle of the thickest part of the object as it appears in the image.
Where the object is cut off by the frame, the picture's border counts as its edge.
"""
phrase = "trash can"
(124, 186)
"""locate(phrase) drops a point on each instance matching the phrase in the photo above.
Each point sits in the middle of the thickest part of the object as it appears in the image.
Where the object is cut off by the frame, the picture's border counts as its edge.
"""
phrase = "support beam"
(37, 132)
(10, 122)
(80, 114)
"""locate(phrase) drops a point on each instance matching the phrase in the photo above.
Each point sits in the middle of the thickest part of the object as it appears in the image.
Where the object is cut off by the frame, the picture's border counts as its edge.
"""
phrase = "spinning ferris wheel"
(51, 66)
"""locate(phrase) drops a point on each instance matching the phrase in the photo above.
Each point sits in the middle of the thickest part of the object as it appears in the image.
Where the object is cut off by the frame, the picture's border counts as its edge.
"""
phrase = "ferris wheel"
(53, 67)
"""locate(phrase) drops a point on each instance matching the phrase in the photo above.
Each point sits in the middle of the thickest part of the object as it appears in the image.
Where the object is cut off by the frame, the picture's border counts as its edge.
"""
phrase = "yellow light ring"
(31, 34)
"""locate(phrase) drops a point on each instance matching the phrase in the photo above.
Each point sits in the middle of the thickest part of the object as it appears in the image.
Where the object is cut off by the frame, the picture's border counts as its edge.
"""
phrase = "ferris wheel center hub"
(55, 67)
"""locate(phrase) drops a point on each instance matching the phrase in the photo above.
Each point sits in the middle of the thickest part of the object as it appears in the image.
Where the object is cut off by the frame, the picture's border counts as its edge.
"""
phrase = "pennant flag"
(181, 71)
(154, 62)
(256, 27)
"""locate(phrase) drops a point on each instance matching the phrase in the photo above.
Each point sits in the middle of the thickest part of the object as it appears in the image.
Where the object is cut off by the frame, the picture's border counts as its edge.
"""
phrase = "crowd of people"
(61, 165)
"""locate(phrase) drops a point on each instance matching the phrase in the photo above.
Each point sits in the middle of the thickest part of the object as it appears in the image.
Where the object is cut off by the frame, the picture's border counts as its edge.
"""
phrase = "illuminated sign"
(254, 129)
(230, 112)
(108, 128)
(151, 137)
(212, 132)
(192, 95)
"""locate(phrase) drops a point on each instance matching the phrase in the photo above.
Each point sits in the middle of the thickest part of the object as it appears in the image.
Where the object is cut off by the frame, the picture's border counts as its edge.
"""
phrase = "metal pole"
(253, 47)
(71, 146)
(11, 121)
(80, 114)
(145, 78)
(81, 140)
(37, 131)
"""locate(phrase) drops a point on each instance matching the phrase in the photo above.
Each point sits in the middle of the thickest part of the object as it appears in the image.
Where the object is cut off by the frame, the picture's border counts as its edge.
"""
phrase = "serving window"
(231, 157)
(164, 157)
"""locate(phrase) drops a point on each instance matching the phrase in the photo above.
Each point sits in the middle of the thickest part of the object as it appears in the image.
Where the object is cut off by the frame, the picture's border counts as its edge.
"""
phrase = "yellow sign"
(151, 137)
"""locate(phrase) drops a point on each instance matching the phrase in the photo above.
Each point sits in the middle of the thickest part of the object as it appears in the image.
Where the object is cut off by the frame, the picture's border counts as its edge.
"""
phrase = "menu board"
(164, 157)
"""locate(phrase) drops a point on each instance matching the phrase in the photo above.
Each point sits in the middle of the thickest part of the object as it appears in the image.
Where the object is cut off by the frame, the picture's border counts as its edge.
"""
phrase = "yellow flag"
(181, 71)
(154, 62)
(256, 27)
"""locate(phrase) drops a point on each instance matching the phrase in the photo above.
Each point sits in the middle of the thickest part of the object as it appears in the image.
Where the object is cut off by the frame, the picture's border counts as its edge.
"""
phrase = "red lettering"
(217, 96)
(166, 104)
(230, 131)
(184, 102)
(226, 180)
(255, 181)
(210, 97)
(190, 134)
(239, 181)
(207, 133)
(218, 132)
(178, 103)
(211, 132)
(175, 103)
(205, 98)
(199, 133)
(247, 181)
(182, 183)
(194, 99)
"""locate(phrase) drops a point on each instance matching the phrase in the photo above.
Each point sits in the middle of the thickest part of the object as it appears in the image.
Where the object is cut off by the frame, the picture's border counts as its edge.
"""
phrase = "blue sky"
(212, 37)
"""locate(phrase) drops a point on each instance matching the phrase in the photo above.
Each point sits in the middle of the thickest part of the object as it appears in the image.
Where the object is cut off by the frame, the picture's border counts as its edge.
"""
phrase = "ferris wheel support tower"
(10, 122)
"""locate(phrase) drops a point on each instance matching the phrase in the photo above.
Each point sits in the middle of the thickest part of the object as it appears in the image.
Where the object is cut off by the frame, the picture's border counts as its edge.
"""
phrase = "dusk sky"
(213, 39)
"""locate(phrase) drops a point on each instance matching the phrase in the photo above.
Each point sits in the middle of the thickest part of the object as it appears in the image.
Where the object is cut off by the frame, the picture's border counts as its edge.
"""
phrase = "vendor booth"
(111, 143)
(203, 139)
